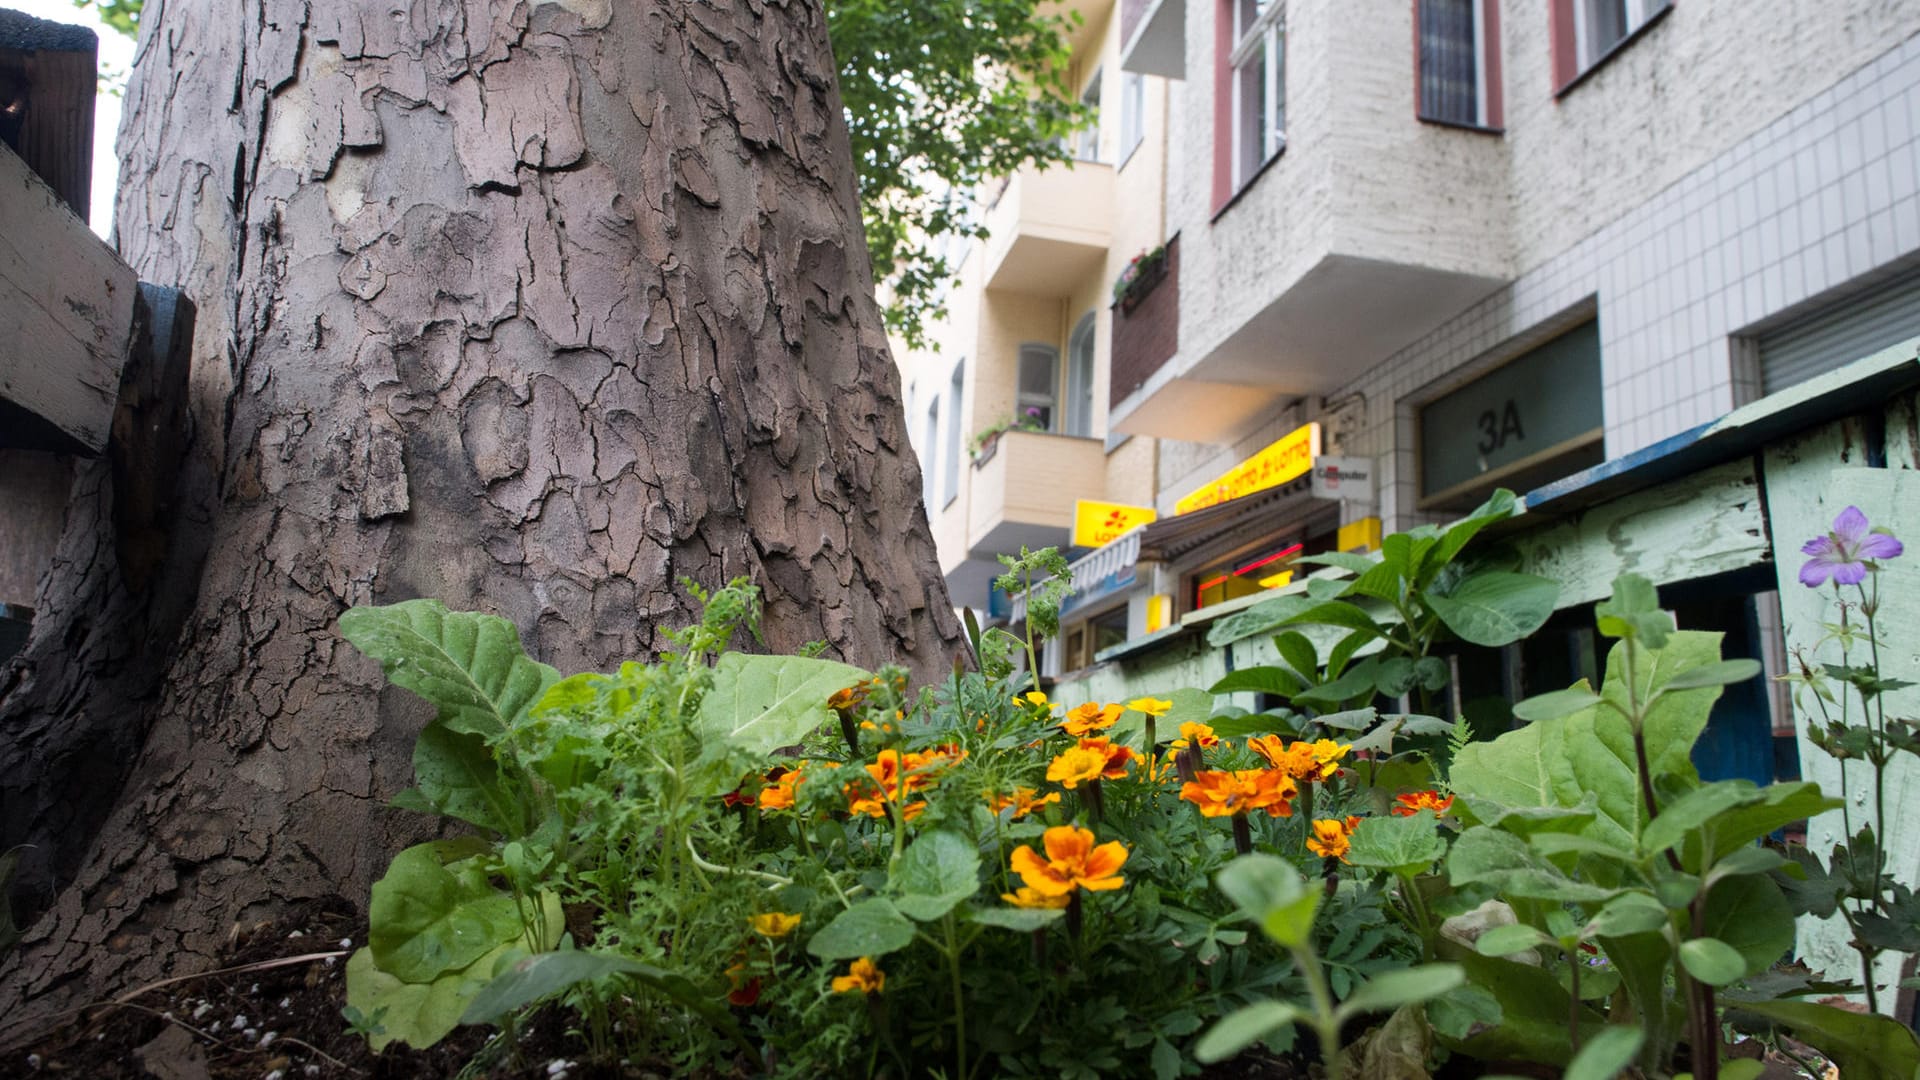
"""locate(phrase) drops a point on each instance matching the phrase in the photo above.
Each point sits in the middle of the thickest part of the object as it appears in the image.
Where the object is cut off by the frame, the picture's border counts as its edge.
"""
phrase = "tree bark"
(532, 307)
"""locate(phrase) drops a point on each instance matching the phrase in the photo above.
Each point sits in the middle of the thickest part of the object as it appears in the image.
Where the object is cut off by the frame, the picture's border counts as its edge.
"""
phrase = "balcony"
(1050, 229)
(1146, 328)
(1024, 492)
(1153, 37)
(1089, 29)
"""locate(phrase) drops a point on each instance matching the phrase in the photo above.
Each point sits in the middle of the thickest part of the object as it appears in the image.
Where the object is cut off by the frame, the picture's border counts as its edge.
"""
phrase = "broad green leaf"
(1345, 560)
(1261, 619)
(1750, 916)
(426, 920)
(1631, 913)
(571, 694)
(1391, 989)
(468, 664)
(1551, 844)
(1265, 680)
(1350, 720)
(1752, 860)
(1712, 961)
(1013, 918)
(1813, 890)
(1297, 651)
(762, 703)
(457, 777)
(1525, 820)
(1243, 1027)
(872, 927)
(1272, 893)
(1778, 805)
(1495, 608)
(1506, 862)
(1502, 504)
(1634, 611)
(1400, 845)
(416, 1013)
(1510, 939)
(1697, 807)
(1393, 676)
(1337, 613)
(1606, 1055)
(1533, 1007)
(1724, 673)
(543, 975)
(938, 871)
(1559, 703)
(1463, 1012)
(1866, 1046)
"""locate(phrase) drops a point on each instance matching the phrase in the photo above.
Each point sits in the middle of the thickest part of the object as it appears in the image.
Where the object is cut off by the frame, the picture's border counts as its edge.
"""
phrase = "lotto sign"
(1288, 458)
(1096, 524)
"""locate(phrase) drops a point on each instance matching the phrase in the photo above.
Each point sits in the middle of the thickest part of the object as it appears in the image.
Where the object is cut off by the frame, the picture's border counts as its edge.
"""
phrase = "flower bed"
(788, 866)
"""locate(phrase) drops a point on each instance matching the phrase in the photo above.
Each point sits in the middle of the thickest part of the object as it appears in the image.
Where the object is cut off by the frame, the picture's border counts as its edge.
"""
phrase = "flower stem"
(1242, 835)
(959, 999)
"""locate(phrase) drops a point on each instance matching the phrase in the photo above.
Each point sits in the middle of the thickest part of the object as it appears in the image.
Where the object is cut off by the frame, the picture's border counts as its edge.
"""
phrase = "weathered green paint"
(1685, 529)
(1809, 480)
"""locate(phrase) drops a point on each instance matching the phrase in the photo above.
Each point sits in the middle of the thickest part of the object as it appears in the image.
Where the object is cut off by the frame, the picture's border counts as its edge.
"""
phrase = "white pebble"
(329, 961)
(276, 1075)
(251, 1034)
(33, 1061)
(239, 1022)
(254, 989)
(286, 1003)
(346, 943)
(269, 1037)
(295, 934)
(312, 1070)
(202, 1009)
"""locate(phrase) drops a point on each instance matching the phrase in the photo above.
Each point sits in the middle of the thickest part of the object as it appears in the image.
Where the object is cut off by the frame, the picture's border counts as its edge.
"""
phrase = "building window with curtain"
(1079, 398)
(1133, 113)
(1585, 32)
(1458, 58)
(1259, 86)
(1039, 385)
(950, 473)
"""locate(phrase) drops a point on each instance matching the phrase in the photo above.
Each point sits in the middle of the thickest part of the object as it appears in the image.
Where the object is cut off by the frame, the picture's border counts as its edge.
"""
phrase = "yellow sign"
(1099, 523)
(1359, 536)
(1288, 458)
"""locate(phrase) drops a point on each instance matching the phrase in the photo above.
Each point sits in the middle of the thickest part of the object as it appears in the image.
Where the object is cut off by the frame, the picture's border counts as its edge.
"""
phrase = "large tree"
(533, 307)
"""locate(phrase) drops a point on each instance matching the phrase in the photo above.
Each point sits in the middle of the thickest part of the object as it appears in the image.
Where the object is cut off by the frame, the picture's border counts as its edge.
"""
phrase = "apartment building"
(1008, 408)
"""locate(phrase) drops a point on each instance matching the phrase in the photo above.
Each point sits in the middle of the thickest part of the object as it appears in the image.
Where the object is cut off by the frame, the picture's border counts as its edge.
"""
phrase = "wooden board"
(33, 503)
(47, 84)
(66, 310)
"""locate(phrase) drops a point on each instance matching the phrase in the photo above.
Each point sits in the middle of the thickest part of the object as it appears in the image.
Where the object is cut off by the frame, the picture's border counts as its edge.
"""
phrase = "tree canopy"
(941, 96)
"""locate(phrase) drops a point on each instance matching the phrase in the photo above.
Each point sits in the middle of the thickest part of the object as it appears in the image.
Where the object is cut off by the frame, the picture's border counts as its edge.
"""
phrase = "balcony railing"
(1024, 492)
(1146, 327)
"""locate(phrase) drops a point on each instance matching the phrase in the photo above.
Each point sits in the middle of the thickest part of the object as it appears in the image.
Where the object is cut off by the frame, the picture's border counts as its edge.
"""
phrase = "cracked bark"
(532, 307)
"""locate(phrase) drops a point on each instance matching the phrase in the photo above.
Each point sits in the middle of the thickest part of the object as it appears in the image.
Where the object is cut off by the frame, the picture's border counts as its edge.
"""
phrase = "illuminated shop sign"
(1096, 524)
(1288, 458)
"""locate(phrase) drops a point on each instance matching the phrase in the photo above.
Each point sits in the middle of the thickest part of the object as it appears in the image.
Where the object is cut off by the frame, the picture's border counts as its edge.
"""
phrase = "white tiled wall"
(1813, 203)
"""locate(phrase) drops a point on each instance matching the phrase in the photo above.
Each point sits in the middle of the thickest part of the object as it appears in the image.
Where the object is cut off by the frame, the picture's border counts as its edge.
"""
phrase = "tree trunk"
(532, 307)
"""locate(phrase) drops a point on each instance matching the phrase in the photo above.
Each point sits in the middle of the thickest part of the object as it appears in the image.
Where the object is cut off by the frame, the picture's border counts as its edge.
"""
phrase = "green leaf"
(468, 664)
(1298, 652)
(1495, 608)
(1464, 1011)
(1866, 1046)
(1391, 989)
(1750, 916)
(1508, 864)
(457, 777)
(1533, 1005)
(426, 920)
(1261, 619)
(938, 871)
(1723, 673)
(1272, 893)
(1510, 939)
(872, 927)
(1689, 812)
(1606, 1055)
(1265, 680)
(1631, 913)
(1559, 703)
(1634, 611)
(1712, 961)
(1404, 846)
(762, 703)
(1013, 918)
(1813, 891)
(543, 975)
(1502, 504)
(1778, 805)
(1243, 1027)
(1345, 560)
(416, 1013)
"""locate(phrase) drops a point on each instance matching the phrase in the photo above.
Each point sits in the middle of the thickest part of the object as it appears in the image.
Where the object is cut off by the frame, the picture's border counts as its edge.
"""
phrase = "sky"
(116, 54)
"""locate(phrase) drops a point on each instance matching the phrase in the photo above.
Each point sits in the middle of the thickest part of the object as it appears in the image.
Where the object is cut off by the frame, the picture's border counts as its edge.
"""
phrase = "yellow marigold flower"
(1072, 862)
(1034, 698)
(862, 975)
(1302, 760)
(1026, 897)
(774, 924)
(872, 802)
(1332, 837)
(1022, 800)
(1192, 734)
(1327, 753)
(845, 701)
(1076, 764)
(1152, 706)
(1219, 793)
(1091, 717)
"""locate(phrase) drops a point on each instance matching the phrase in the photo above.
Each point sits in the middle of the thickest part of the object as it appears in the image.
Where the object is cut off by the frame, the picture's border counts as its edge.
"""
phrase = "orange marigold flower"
(862, 975)
(779, 795)
(871, 801)
(1076, 764)
(1332, 837)
(1219, 793)
(845, 701)
(1027, 897)
(1302, 760)
(1022, 800)
(1413, 802)
(1192, 734)
(1091, 717)
(1072, 862)
(1152, 706)
(1117, 757)
(774, 924)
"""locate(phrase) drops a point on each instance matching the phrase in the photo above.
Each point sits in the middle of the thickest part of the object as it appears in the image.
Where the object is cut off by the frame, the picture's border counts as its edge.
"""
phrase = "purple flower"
(1843, 553)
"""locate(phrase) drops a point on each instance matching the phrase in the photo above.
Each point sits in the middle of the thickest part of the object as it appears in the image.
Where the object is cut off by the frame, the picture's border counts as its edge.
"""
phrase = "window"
(1039, 384)
(950, 475)
(1079, 404)
(1133, 113)
(1086, 143)
(1267, 567)
(1586, 31)
(929, 446)
(1087, 640)
(1459, 62)
(1258, 78)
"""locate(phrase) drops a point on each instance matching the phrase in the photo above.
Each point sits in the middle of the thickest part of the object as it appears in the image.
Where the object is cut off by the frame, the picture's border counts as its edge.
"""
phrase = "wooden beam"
(66, 312)
(47, 85)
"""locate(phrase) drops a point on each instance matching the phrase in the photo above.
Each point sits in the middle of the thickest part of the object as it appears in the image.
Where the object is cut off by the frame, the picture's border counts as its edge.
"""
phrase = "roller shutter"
(1860, 326)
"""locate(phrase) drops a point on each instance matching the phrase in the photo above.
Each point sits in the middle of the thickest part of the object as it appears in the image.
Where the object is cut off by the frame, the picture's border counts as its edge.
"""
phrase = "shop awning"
(1169, 539)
